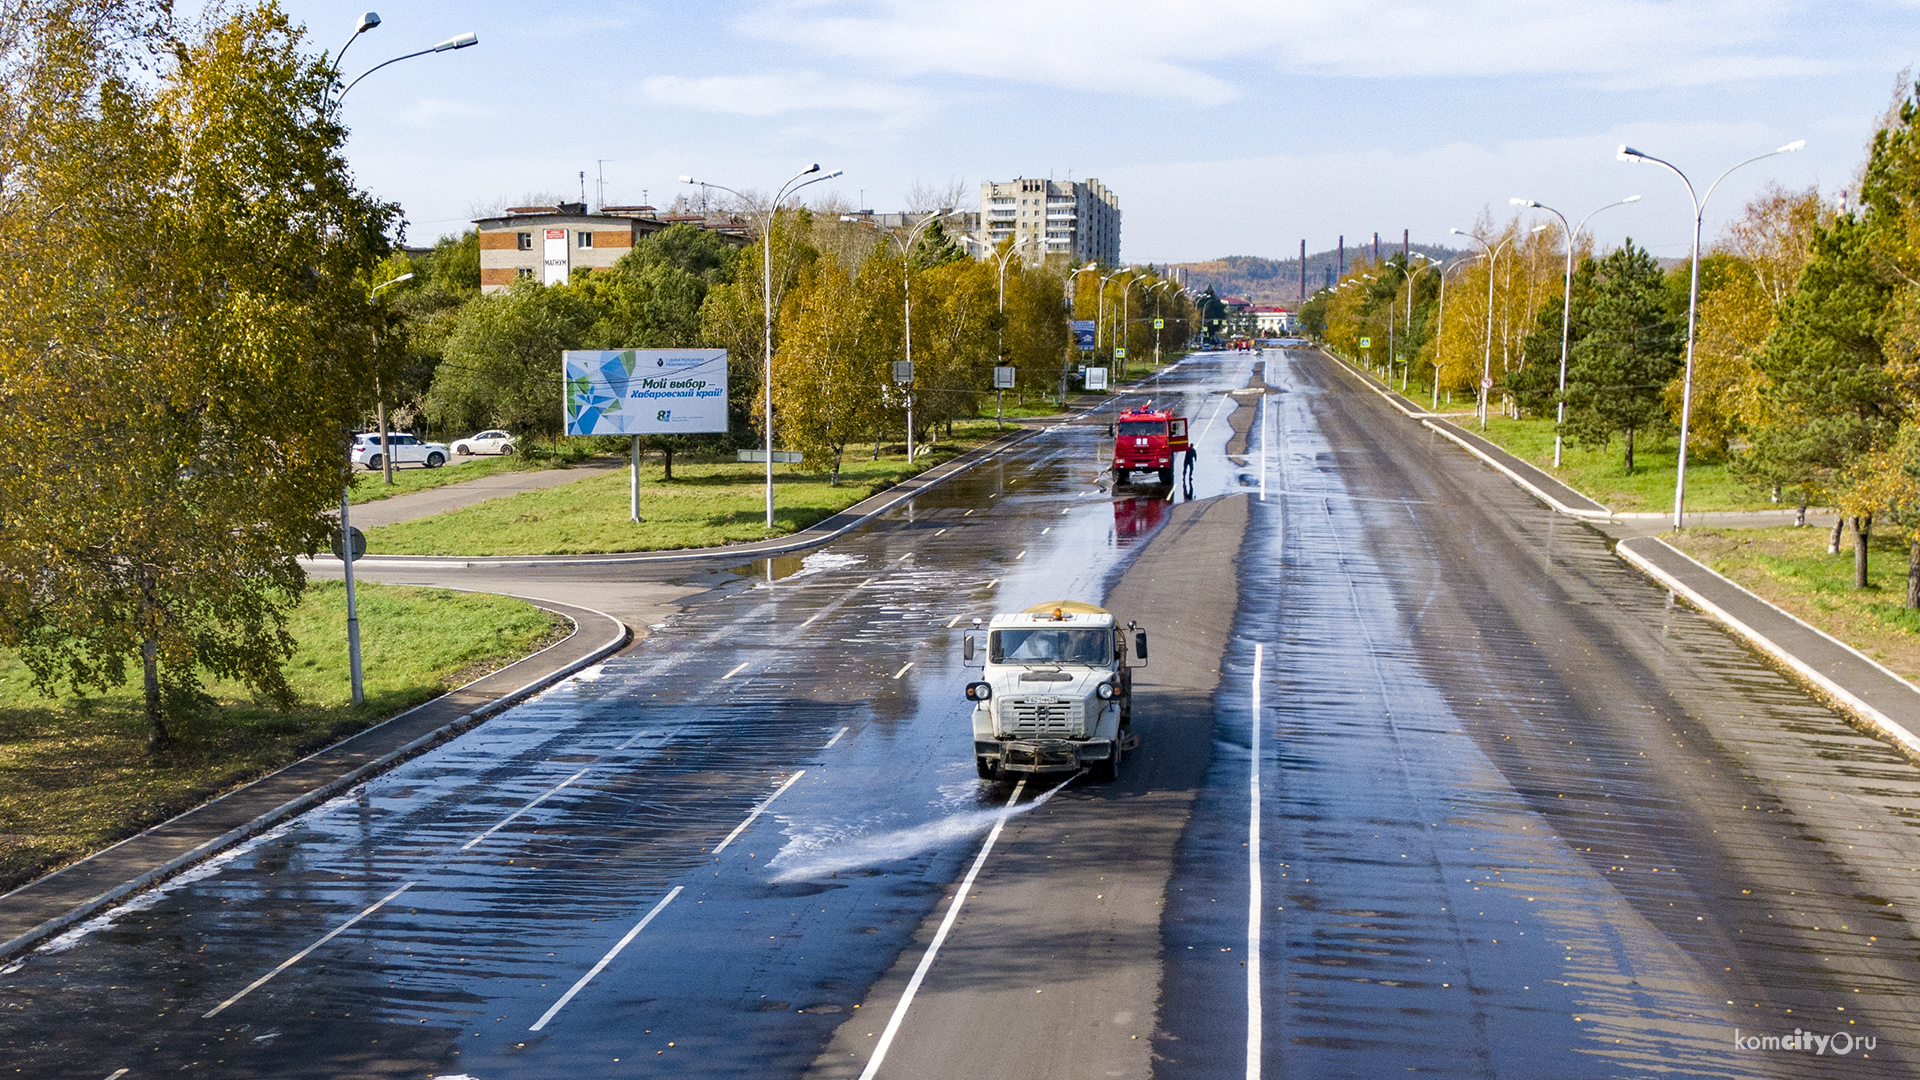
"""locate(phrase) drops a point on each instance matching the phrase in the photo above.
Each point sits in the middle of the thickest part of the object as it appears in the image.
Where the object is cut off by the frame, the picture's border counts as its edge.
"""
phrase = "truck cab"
(1145, 440)
(1056, 693)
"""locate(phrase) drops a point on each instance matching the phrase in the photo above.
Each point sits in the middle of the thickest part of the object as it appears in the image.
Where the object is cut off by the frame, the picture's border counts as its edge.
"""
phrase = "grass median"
(75, 776)
(1601, 476)
(706, 504)
(1791, 568)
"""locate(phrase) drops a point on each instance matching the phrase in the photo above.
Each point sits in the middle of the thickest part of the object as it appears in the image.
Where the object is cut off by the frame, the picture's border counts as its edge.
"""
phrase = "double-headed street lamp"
(1440, 321)
(1628, 153)
(1486, 363)
(906, 289)
(370, 20)
(1406, 369)
(766, 291)
(1566, 302)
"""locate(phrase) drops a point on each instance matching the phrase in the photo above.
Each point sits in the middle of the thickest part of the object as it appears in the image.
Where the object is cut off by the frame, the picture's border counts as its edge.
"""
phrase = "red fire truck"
(1148, 441)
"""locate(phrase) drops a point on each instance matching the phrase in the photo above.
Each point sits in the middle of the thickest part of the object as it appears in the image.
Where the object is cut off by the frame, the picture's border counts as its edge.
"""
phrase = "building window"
(586, 238)
(526, 241)
(525, 272)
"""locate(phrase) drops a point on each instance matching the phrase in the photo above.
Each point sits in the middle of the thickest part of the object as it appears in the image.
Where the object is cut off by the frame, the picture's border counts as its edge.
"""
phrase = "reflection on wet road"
(1517, 816)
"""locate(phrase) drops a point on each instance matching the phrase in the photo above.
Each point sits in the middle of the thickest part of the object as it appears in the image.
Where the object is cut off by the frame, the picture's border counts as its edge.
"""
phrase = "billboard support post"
(633, 512)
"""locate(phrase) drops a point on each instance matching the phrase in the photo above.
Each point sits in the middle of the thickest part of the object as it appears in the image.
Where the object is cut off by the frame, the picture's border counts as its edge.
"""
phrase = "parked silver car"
(407, 450)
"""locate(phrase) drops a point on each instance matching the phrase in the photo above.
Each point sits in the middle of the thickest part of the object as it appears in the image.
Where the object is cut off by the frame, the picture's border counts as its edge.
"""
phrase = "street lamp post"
(1566, 303)
(906, 289)
(1486, 364)
(1440, 320)
(1153, 290)
(766, 293)
(1406, 368)
(1628, 153)
(1126, 338)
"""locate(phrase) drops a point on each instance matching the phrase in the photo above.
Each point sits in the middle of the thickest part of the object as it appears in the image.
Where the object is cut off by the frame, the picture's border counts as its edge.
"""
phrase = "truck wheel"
(1106, 772)
(1166, 477)
(986, 769)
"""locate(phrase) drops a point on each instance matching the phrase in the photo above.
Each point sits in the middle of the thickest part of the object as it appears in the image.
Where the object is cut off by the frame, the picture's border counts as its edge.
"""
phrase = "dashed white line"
(607, 959)
(991, 584)
(939, 938)
(903, 669)
(502, 823)
(737, 670)
(1022, 555)
(1216, 415)
(1046, 530)
(836, 738)
(955, 621)
(117, 1074)
(941, 531)
(757, 811)
(302, 954)
(810, 619)
(1254, 1012)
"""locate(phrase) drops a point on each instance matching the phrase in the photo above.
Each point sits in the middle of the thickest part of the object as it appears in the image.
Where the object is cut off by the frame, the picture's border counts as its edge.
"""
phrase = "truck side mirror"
(1140, 644)
(966, 647)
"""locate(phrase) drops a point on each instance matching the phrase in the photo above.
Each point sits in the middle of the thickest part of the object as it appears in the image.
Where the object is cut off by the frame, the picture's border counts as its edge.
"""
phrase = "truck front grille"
(1055, 717)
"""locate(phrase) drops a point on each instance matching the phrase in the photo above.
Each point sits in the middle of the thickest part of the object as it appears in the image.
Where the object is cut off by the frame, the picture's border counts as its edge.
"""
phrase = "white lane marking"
(1224, 398)
(836, 738)
(1046, 530)
(810, 619)
(968, 513)
(939, 938)
(1022, 555)
(991, 584)
(758, 810)
(555, 790)
(1069, 509)
(903, 669)
(1263, 448)
(302, 954)
(607, 959)
(955, 622)
(1254, 902)
(941, 531)
(117, 1074)
(736, 670)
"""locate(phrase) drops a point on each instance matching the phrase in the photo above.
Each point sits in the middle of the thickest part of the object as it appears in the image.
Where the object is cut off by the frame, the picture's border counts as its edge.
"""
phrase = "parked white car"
(407, 450)
(487, 442)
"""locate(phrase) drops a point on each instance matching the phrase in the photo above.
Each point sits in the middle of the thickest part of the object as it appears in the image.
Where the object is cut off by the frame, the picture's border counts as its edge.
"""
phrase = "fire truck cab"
(1148, 441)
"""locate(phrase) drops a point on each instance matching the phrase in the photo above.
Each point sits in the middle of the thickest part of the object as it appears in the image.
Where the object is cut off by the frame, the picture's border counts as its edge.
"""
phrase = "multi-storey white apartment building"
(1078, 219)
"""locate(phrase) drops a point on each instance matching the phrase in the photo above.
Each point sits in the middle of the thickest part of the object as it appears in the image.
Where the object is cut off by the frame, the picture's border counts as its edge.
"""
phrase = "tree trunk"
(1862, 529)
(666, 458)
(1913, 570)
(1776, 493)
(1800, 513)
(1833, 542)
(150, 666)
(834, 480)
(1629, 451)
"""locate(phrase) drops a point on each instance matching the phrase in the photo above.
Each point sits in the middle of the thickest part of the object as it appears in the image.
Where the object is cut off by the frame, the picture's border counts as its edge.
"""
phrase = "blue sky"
(1236, 127)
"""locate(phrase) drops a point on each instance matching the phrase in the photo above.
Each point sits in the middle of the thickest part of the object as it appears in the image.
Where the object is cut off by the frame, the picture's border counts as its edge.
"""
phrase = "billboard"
(1083, 334)
(645, 391)
(554, 258)
(1096, 378)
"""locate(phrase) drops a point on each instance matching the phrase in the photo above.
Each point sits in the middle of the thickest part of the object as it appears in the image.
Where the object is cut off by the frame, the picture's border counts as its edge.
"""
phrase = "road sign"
(791, 457)
(1159, 324)
(1083, 334)
(1003, 377)
(1486, 384)
(902, 372)
(1096, 378)
(1366, 343)
(1120, 354)
(359, 545)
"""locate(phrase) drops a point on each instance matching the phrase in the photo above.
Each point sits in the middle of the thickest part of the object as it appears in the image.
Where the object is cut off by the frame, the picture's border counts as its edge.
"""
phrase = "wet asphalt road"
(1518, 816)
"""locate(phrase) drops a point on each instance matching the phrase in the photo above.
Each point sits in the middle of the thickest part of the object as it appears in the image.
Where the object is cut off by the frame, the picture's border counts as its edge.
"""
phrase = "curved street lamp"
(766, 291)
(906, 289)
(1440, 320)
(1486, 364)
(1628, 153)
(370, 20)
(1566, 302)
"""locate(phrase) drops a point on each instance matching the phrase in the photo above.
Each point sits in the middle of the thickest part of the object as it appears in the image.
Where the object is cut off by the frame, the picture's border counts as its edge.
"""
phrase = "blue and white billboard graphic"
(645, 391)
(1083, 334)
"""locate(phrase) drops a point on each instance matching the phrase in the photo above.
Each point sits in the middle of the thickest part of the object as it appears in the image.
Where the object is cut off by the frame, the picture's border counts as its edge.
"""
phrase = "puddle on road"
(809, 858)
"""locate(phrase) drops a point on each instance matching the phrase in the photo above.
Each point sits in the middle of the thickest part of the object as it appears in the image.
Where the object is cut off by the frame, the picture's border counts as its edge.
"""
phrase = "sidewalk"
(397, 508)
(50, 904)
(1835, 670)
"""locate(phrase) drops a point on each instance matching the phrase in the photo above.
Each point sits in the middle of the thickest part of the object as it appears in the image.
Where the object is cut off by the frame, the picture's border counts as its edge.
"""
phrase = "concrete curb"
(260, 823)
(1839, 694)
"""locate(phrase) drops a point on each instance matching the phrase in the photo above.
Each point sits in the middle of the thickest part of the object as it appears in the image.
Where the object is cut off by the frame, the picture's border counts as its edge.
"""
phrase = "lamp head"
(461, 42)
(1630, 198)
(367, 22)
(1792, 146)
(833, 174)
(688, 180)
(1539, 228)
(1456, 232)
(815, 169)
(1517, 201)
(1628, 153)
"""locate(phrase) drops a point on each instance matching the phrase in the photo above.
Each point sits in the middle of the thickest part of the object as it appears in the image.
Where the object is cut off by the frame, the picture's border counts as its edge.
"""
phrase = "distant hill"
(1277, 281)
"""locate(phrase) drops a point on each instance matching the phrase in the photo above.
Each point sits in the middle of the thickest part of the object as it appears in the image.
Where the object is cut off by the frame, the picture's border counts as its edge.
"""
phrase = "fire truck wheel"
(1166, 476)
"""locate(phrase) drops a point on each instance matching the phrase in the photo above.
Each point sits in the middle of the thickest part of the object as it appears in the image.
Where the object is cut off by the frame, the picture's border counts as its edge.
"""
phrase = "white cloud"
(784, 92)
(428, 112)
(1198, 50)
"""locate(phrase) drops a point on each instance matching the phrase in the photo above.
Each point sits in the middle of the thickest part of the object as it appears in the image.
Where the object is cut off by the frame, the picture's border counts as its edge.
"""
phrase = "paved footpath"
(44, 907)
(419, 504)
(1837, 671)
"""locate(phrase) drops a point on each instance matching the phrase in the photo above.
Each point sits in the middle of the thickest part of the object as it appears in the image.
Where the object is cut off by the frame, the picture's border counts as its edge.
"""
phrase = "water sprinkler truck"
(1146, 440)
(1056, 692)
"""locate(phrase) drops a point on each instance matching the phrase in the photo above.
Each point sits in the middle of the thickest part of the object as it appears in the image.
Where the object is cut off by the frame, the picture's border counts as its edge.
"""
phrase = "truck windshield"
(1133, 428)
(1063, 646)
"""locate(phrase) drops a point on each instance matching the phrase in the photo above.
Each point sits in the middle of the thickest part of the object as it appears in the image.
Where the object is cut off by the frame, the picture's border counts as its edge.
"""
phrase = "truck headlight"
(1105, 691)
(979, 691)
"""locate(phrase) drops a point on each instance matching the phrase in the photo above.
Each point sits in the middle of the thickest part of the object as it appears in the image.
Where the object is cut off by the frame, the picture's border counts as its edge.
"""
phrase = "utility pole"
(1406, 245)
(1303, 271)
(600, 191)
(1376, 249)
(1343, 257)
